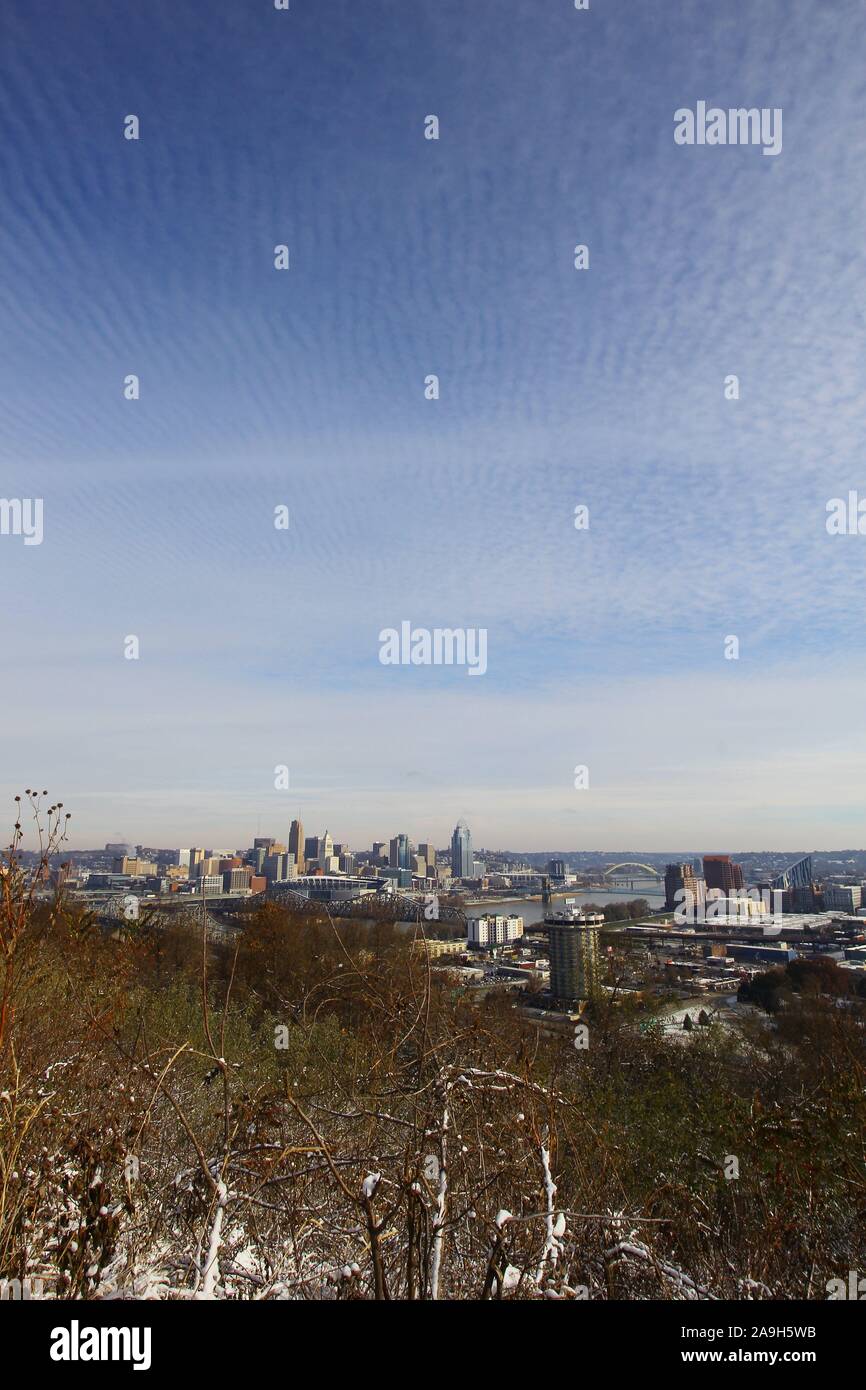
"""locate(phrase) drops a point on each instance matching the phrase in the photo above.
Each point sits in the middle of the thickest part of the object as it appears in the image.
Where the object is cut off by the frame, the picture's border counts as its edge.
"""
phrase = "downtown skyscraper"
(461, 851)
(398, 852)
(296, 844)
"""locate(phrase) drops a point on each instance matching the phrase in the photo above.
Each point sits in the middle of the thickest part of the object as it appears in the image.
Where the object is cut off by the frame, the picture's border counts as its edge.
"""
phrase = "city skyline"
(442, 845)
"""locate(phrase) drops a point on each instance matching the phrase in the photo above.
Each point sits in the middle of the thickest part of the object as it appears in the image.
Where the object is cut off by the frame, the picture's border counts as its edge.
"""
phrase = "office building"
(274, 868)
(256, 858)
(237, 880)
(428, 854)
(137, 867)
(398, 852)
(843, 897)
(461, 851)
(296, 844)
(720, 872)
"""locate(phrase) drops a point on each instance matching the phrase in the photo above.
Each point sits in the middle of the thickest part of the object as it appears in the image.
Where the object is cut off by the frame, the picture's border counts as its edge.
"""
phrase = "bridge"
(117, 913)
(224, 914)
(613, 871)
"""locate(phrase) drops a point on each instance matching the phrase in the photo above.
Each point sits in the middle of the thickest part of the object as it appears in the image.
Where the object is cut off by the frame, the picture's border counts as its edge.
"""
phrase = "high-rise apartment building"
(494, 929)
(719, 872)
(677, 878)
(461, 851)
(574, 961)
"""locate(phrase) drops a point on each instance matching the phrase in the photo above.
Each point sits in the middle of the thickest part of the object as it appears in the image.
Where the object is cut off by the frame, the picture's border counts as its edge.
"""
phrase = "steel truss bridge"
(225, 915)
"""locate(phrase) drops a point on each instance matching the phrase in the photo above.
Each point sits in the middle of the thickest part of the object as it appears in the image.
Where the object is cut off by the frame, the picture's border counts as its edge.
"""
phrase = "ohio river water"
(533, 909)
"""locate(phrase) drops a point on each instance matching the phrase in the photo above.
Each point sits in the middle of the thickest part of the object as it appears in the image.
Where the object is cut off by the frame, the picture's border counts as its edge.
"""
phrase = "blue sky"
(558, 387)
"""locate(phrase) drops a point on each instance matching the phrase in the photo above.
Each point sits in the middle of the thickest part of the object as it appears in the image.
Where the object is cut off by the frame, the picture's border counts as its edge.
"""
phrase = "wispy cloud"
(557, 387)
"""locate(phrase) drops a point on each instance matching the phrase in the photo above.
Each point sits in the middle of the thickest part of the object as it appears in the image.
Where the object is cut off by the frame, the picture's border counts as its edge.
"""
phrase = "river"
(533, 909)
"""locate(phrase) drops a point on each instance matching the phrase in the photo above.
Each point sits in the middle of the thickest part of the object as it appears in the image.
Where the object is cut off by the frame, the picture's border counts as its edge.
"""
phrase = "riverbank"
(532, 909)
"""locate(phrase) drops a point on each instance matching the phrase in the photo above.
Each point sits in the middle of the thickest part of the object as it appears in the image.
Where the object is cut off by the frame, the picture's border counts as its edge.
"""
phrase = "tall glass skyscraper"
(398, 856)
(461, 851)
